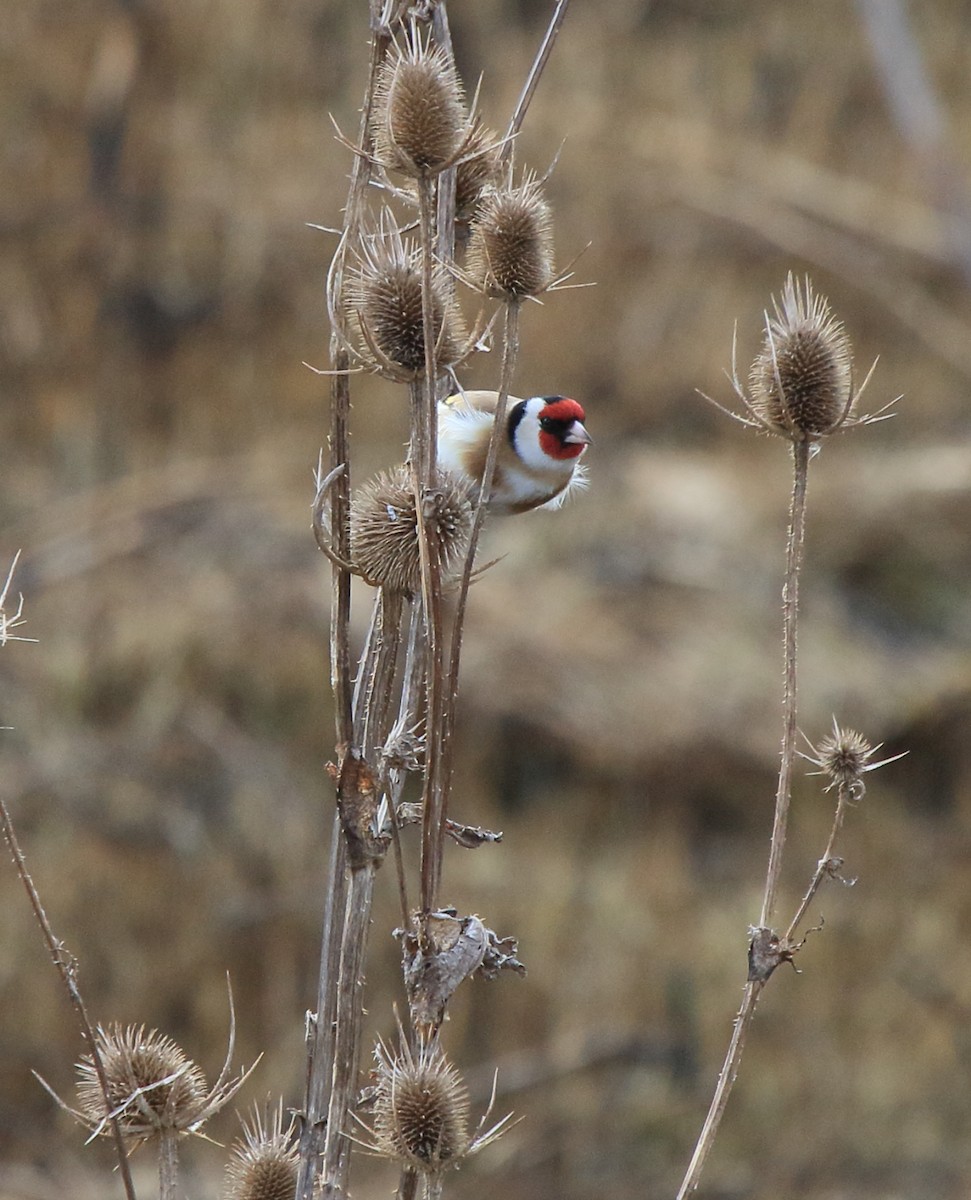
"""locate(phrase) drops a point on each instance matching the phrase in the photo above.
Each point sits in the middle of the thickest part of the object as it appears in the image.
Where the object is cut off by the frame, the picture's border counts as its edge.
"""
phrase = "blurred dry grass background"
(159, 291)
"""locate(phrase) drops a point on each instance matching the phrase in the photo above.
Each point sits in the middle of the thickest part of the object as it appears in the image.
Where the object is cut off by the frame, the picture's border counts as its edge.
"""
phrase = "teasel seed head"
(801, 382)
(420, 119)
(421, 1108)
(263, 1162)
(153, 1086)
(384, 529)
(383, 297)
(845, 756)
(510, 252)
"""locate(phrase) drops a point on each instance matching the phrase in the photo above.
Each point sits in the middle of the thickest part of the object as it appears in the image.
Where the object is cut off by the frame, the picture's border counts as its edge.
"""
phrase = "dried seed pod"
(801, 382)
(420, 120)
(383, 297)
(153, 1086)
(511, 248)
(384, 529)
(421, 1108)
(263, 1163)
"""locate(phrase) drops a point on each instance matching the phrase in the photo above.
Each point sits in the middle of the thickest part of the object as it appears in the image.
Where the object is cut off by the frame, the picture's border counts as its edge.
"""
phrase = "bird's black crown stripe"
(516, 414)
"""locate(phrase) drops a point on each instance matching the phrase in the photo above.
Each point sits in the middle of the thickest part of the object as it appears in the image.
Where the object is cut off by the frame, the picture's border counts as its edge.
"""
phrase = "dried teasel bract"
(421, 1109)
(476, 171)
(264, 1162)
(510, 253)
(801, 381)
(845, 756)
(154, 1088)
(383, 300)
(420, 121)
(385, 546)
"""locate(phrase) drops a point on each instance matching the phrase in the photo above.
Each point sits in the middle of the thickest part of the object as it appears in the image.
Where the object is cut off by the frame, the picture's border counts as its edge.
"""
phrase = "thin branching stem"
(532, 80)
(67, 969)
(826, 866)
(753, 988)
(510, 354)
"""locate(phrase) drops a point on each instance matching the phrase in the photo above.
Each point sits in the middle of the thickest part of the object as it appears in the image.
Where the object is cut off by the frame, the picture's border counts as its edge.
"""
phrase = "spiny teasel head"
(263, 1163)
(420, 121)
(845, 756)
(510, 253)
(421, 1108)
(384, 528)
(383, 300)
(801, 382)
(153, 1086)
(154, 1090)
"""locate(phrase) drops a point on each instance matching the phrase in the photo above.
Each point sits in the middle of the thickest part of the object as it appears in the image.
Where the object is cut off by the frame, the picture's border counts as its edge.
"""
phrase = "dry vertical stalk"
(801, 389)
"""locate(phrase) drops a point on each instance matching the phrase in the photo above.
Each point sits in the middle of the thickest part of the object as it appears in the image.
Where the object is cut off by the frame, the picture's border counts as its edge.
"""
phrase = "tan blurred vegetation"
(159, 293)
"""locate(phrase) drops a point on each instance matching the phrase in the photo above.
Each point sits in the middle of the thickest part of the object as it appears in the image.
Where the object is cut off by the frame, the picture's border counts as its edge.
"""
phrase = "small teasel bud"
(384, 528)
(263, 1162)
(420, 120)
(153, 1086)
(384, 299)
(510, 252)
(801, 382)
(421, 1108)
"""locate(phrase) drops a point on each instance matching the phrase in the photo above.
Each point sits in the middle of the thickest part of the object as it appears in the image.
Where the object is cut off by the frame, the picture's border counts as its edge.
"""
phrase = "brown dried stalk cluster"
(801, 388)
(438, 222)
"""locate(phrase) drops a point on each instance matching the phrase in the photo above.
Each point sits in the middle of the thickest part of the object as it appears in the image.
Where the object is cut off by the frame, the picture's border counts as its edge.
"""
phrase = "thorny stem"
(321, 1028)
(67, 969)
(790, 618)
(826, 865)
(753, 988)
(350, 989)
(168, 1166)
(425, 430)
(726, 1081)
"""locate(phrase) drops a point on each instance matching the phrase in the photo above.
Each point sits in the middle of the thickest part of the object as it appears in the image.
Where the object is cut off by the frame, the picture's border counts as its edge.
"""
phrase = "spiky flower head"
(801, 382)
(263, 1163)
(153, 1086)
(383, 298)
(421, 1108)
(510, 252)
(845, 756)
(384, 528)
(420, 119)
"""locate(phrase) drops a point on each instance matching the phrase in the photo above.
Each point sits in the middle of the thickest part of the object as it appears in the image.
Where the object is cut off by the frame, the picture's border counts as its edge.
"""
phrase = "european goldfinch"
(539, 458)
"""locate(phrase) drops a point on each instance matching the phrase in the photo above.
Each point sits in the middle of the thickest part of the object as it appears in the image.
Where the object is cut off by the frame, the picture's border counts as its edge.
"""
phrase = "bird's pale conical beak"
(578, 436)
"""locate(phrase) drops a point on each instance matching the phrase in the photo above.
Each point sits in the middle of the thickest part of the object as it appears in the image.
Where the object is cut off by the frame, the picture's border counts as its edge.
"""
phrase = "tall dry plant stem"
(66, 966)
(168, 1166)
(424, 426)
(801, 452)
(322, 1024)
(510, 355)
